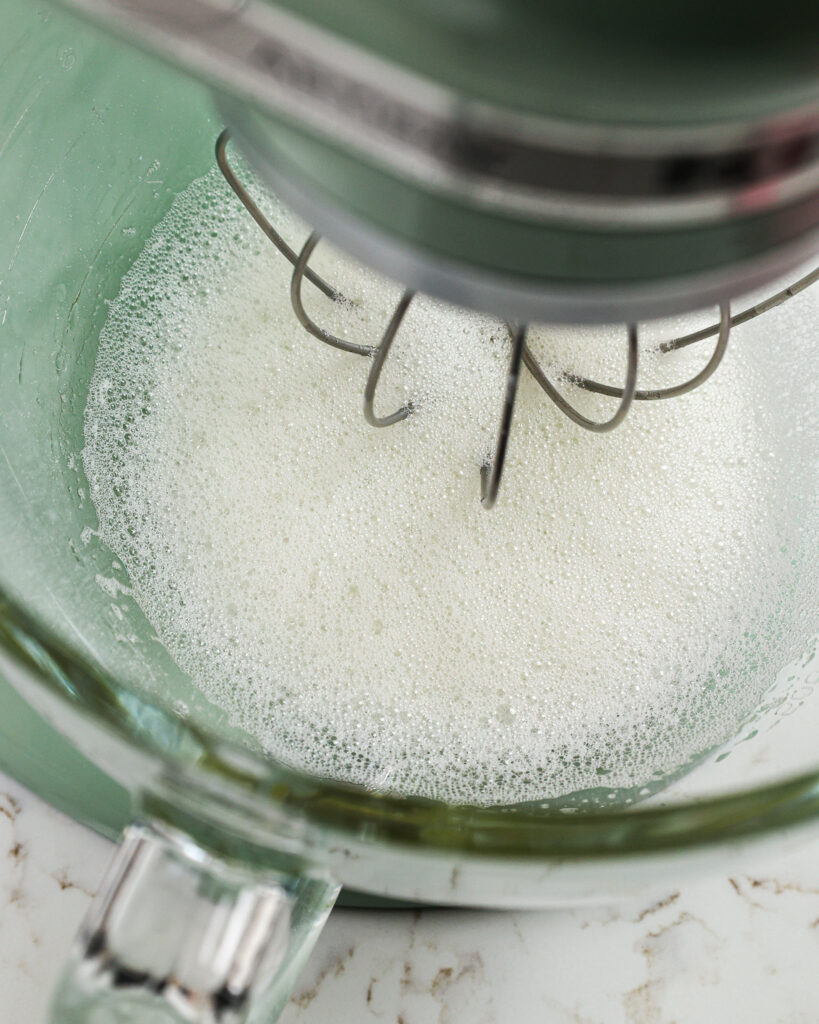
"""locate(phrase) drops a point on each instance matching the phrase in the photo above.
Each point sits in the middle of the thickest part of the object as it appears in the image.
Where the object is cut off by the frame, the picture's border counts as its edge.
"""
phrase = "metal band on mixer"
(506, 159)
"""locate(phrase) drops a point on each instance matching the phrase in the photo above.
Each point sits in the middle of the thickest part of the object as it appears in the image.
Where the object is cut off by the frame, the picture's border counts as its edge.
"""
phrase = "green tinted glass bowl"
(95, 141)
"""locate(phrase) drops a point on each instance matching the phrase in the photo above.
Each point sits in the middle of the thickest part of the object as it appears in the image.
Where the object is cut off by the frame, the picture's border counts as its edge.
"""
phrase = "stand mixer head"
(553, 165)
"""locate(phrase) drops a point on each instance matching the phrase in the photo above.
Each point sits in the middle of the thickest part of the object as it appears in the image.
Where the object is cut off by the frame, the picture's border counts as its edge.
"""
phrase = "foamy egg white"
(340, 590)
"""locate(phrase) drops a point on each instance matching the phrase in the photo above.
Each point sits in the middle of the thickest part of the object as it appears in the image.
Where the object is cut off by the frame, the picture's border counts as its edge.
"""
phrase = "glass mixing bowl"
(222, 883)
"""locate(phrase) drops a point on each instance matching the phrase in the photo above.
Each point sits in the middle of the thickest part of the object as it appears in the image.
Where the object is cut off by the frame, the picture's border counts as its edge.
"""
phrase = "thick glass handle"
(175, 935)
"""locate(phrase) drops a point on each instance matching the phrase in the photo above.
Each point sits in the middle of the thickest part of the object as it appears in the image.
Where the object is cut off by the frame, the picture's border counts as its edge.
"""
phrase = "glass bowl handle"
(175, 935)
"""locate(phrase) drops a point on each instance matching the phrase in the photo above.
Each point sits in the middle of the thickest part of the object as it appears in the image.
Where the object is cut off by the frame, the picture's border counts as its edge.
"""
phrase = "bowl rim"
(343, 808)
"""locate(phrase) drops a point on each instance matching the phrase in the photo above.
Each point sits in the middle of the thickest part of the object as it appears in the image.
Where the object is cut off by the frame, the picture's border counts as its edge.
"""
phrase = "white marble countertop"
(744, 948)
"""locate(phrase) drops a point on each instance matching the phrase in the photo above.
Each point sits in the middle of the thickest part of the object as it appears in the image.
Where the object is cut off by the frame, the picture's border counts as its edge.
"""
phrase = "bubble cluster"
(340, 590)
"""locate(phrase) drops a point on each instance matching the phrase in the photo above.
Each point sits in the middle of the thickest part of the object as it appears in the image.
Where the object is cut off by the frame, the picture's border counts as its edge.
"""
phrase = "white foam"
(340, 590)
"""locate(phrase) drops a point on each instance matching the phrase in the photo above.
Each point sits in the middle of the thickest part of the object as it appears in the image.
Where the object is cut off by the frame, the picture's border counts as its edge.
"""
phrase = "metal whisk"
(492, 470)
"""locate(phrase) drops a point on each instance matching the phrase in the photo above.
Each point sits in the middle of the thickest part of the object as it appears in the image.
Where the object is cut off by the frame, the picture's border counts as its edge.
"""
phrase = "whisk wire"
(379, 359)
(255, 212)
(299, 273)
(700, 378)
(626, 394)
(491, 472)
(647, 395)
(746, 315)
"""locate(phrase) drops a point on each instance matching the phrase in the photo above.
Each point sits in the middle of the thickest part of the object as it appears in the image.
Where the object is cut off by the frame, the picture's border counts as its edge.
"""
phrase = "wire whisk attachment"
(521, 354)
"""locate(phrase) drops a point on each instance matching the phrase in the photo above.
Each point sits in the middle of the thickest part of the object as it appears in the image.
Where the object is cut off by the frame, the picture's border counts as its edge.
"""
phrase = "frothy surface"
(340, 590)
